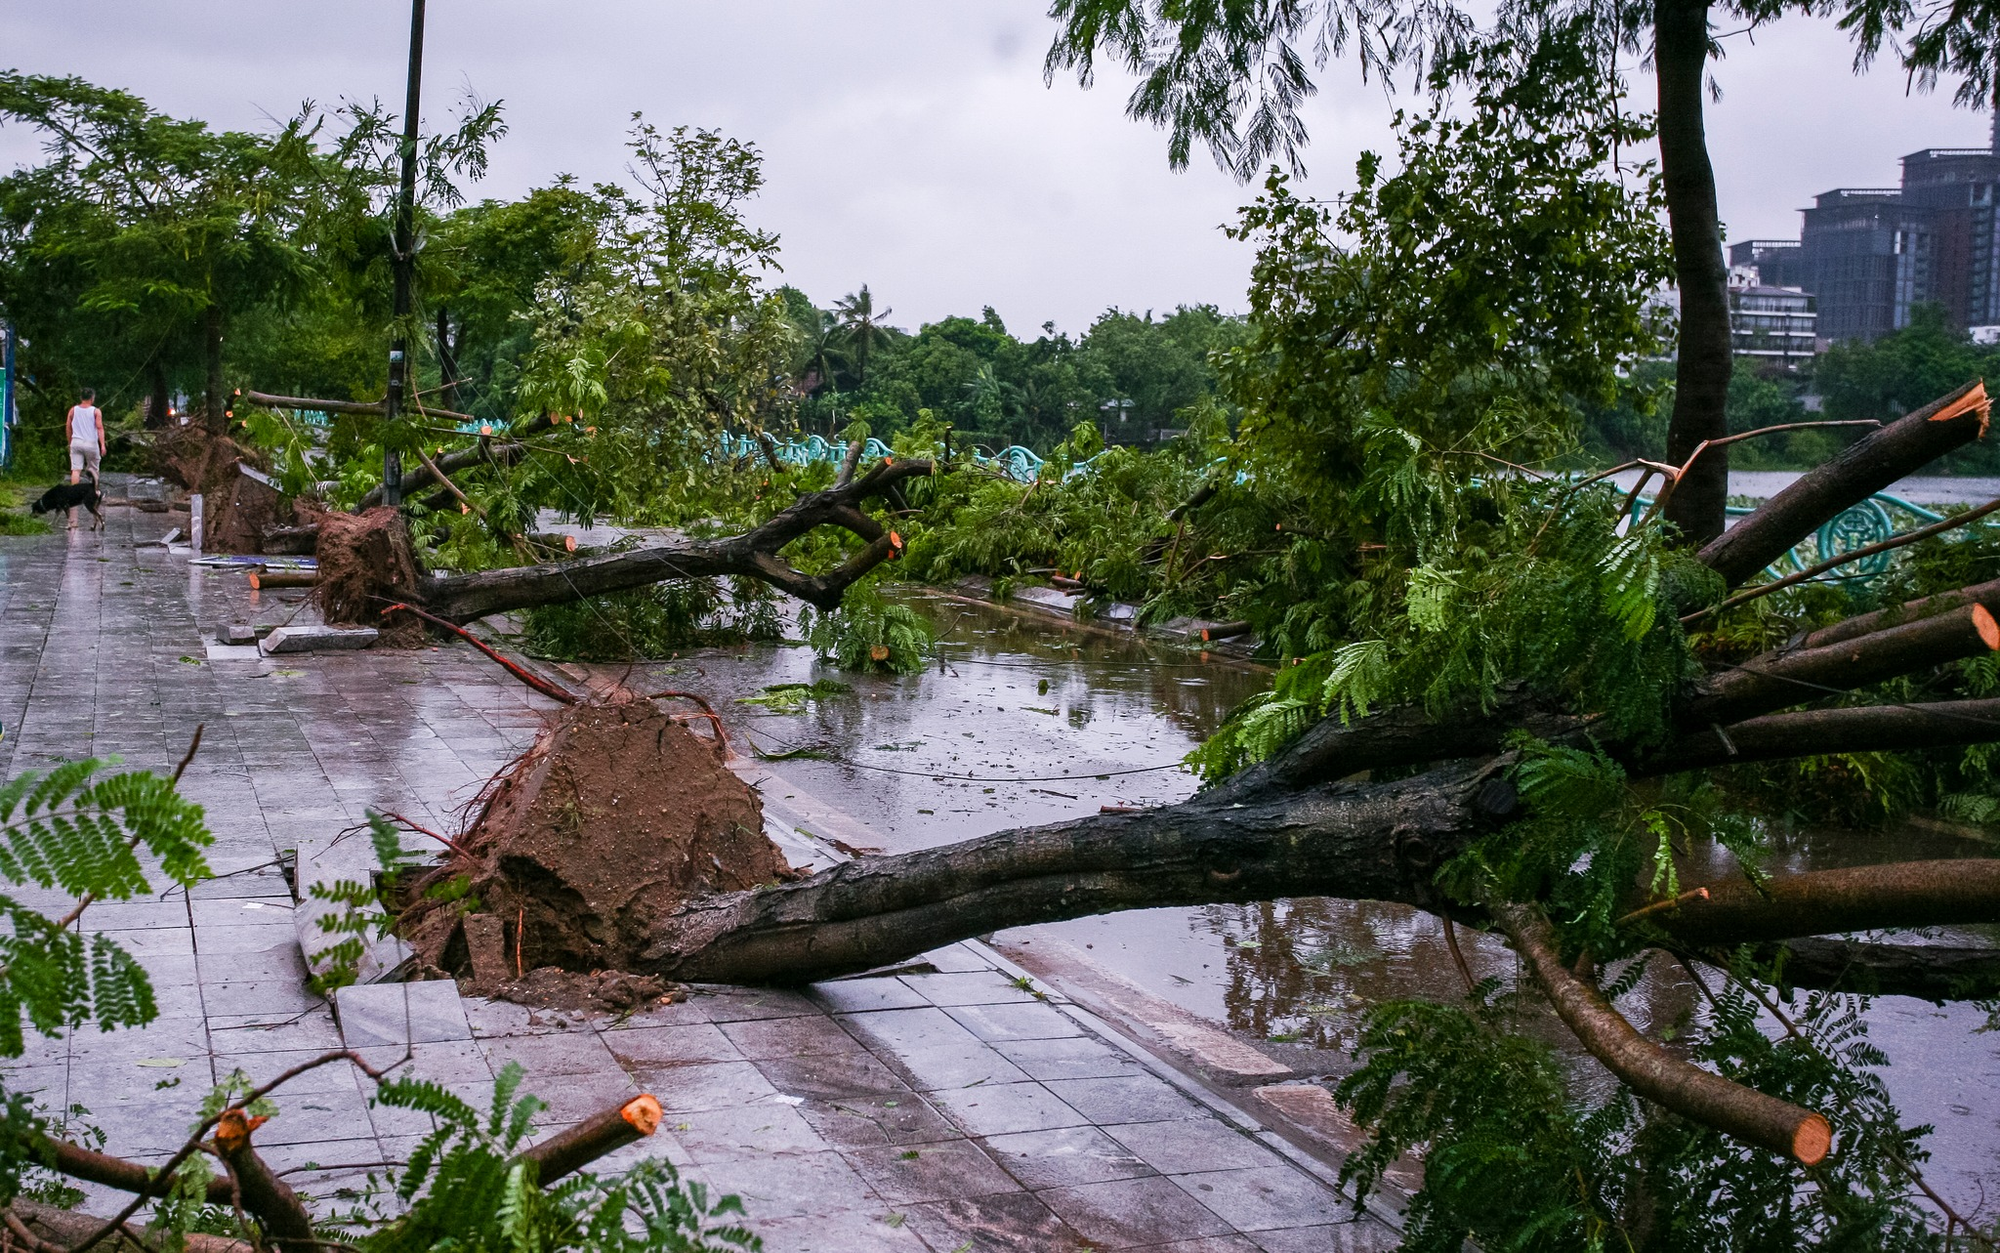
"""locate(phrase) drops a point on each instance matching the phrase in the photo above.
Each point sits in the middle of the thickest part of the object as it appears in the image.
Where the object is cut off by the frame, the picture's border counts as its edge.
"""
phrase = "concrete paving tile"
(850, 1231)
(397, 1013)
(672, 1014)
(574, 1098)
(788, 1037)
(185, 1037)
(1081, 1057)
(270, 997)
(1126, 1099)
(254, 1033)
(853, 996)
(1208, 1244)
(707, 1085)
(262, 1067)
(867, 1120)
(1012, 1222)
(47, 1086)
(820, 1184)
(957, 959)
(1363, 1236)
(932, 1049)
(992, 1109)
(1265, 1198)
(739, 1131)
(1029, 1021)
(239, 912)
(728, 1004)
(1064, 1157)
(982, 987)
(571, 1053)
(1129, 1213)
(176, 941)
(1192, 1144)
(314, 1117)
(665, 1046)
(945, 1171)
(282, 963)
(246, 938)
(450, 1062)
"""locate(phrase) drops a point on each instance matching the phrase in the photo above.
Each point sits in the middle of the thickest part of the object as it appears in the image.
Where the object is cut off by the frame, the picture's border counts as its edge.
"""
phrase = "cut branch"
(1776, 680)
(1831, 902)
(1859, 554)
(485, 452)
(591, 1139)
(1987, 594)
(107, 1171)
(753, 554)
(1815, 732)
(374, 408)
(1650, 1070)
(269, 1199)
(1869, 465)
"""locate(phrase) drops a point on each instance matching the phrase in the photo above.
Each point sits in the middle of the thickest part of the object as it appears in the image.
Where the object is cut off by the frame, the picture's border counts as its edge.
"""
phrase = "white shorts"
(83, 457)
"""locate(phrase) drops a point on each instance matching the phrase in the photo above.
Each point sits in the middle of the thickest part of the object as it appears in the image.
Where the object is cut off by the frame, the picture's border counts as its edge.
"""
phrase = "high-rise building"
(1870, 254)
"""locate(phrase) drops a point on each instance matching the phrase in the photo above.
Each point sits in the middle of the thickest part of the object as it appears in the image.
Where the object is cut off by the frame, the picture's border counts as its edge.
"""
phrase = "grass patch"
(12, 523)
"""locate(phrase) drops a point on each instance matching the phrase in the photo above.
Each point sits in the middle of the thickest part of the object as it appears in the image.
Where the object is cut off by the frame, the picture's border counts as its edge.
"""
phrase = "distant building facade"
(1779, 325)
(1871, 254)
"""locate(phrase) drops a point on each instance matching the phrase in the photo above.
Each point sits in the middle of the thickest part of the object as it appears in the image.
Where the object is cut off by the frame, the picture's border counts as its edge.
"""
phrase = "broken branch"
(1650, 1070)
(1860, 470)
(1858, 554)
(593, 1138)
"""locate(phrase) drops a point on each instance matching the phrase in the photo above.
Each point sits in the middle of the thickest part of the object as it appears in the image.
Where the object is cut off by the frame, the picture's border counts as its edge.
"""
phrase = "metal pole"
(405, 258)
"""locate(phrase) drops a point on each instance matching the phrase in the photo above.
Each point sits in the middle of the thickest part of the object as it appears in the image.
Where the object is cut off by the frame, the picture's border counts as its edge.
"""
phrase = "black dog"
(67, 496)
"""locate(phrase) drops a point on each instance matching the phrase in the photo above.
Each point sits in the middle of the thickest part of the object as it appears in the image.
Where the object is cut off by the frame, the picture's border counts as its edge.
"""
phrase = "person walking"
(83, 428)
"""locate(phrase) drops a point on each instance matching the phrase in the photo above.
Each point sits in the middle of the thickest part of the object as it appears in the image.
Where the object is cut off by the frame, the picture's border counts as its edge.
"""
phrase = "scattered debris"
(236, 633)
(317, 638)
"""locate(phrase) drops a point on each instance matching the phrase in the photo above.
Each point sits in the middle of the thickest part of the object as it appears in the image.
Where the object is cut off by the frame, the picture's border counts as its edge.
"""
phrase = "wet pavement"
(958, 1104)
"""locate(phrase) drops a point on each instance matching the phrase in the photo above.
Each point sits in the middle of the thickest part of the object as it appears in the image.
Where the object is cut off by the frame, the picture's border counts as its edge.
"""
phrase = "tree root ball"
(365, 565)
(612, 820)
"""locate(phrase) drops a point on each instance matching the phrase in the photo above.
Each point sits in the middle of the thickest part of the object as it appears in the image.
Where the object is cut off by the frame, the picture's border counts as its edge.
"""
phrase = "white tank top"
(83, 425)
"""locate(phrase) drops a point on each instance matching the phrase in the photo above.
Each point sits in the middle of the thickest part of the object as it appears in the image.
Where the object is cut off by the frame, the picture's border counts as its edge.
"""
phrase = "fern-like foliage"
(1517, 1157)
(77, 829)
(465, 1187)
(869, 633)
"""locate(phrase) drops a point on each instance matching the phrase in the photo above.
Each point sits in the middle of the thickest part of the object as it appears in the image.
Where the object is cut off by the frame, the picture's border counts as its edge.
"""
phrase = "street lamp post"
(404, 264)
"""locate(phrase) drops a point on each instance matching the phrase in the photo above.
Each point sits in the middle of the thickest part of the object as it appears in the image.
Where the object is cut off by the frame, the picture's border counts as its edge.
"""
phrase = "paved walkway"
(954, 1105)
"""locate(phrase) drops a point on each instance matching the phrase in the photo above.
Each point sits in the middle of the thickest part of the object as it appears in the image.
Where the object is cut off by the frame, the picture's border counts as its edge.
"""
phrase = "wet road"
(1033, 720)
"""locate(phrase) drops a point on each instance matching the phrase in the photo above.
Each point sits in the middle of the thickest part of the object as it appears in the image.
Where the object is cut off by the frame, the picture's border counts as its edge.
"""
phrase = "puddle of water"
(1024, 697)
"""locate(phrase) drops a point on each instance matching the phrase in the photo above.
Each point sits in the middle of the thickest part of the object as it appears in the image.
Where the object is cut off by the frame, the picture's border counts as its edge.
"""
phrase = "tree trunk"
(753, 554)
(447, 360)
(157, 400)
(1701, 376)
(213, 398)
(1382, 842)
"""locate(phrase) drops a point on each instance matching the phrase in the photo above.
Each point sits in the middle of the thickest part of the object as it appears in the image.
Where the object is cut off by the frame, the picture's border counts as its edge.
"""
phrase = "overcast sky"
(909, 144)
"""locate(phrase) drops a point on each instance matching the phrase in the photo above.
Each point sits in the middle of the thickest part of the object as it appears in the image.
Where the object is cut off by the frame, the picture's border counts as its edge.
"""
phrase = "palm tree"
(822, 354)
(862, 328)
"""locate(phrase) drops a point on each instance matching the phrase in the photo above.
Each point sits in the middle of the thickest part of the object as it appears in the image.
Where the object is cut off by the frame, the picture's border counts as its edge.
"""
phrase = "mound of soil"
(612, 820)
(365, 565)
(607, 991)
(239, 503)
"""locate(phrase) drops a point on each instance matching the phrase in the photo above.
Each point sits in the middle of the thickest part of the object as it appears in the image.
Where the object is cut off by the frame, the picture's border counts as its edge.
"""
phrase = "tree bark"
(157, 399)
(267, 1198)
(1867, 466)
(1701, 374)
(1650, 1070)
(754, 554)
(1814, 732)
(215, 399)
(1900, 895)
(1935, 973)
(1781, 679)
(1382, 842)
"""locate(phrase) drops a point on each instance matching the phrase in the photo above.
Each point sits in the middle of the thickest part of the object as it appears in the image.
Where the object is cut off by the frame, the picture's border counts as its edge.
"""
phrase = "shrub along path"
(946, 1108)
